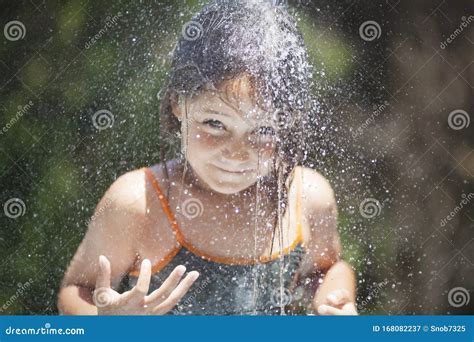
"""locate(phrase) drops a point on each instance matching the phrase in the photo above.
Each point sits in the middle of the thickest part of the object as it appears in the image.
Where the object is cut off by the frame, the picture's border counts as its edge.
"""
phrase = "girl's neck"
(191, 179)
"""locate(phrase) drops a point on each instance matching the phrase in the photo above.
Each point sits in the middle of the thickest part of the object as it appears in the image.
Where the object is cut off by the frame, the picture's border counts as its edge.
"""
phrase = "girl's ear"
(176, 106)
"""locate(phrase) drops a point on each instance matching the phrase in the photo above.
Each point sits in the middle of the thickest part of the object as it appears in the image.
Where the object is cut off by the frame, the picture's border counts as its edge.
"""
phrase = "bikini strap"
(228, 260)
(164, 204)
(299, 199)
(296, 175)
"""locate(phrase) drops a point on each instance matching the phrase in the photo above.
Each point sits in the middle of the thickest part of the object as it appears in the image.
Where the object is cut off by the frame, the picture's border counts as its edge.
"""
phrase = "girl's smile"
(237, 172)
(226, 142)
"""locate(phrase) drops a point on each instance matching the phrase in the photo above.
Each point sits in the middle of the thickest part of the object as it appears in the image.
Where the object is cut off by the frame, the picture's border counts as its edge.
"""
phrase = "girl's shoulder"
(320, 219)
(317, 192)
(134, 195)
(130, 190)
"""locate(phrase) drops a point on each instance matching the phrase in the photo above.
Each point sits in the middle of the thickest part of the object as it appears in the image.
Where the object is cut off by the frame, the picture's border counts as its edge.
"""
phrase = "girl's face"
(229, 143)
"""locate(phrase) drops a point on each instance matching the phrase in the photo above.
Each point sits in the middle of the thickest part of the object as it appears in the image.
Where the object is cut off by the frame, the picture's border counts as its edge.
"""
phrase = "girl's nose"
(237, 150)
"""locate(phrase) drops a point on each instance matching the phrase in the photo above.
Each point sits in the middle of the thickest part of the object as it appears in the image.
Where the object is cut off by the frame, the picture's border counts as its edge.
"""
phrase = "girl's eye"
(266, 131)
(214, 123)
(264, 136)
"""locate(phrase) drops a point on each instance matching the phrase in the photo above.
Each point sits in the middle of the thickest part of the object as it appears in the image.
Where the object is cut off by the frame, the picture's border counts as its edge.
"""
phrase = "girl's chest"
(238, 228)
(242, 227)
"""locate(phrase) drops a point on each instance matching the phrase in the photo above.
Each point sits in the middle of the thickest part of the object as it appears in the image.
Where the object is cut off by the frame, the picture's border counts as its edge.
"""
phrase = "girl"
(256, 229)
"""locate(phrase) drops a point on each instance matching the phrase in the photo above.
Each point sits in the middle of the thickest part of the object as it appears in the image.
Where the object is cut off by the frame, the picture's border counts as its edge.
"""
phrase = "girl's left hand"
(338, 302)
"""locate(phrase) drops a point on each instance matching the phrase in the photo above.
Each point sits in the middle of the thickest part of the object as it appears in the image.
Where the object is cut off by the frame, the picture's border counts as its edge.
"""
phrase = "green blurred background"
(388, 101)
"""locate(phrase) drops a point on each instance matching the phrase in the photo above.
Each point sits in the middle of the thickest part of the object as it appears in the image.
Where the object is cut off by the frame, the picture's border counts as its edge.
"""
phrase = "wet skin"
(228, 145)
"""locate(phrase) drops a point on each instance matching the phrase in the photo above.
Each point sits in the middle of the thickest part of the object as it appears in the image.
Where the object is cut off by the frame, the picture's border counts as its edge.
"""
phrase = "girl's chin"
(223, 182)
(229, 189)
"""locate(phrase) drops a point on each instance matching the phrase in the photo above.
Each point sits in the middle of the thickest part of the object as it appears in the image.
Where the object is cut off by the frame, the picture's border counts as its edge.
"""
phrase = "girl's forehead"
(240, 105)
(239, 96)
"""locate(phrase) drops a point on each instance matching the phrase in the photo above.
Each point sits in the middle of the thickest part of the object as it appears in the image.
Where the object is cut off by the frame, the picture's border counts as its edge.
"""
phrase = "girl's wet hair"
(229, 38)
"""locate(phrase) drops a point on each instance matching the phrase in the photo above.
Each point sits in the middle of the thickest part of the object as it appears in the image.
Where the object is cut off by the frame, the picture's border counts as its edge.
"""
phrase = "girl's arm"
(337, 293)
(76, 300)
(111, 232)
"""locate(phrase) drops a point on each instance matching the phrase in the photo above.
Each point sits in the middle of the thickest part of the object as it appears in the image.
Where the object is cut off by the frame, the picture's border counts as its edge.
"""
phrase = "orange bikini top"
(181, 241)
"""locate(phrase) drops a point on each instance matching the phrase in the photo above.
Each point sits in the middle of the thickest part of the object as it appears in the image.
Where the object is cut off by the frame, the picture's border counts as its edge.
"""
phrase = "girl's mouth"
(241, 171)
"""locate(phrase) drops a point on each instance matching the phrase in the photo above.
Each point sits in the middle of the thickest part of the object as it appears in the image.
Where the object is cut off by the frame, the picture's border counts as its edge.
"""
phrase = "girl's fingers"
(140, 290)
(103, 277)
(103, 295)
(338, 297)
(350, 309)
(177, 294)
(325, 310)
(347, 309)
(160, 294)
(143, 282)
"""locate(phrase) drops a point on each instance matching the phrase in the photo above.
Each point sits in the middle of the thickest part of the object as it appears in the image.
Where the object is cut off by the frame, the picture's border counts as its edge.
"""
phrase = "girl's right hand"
(136, 301)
